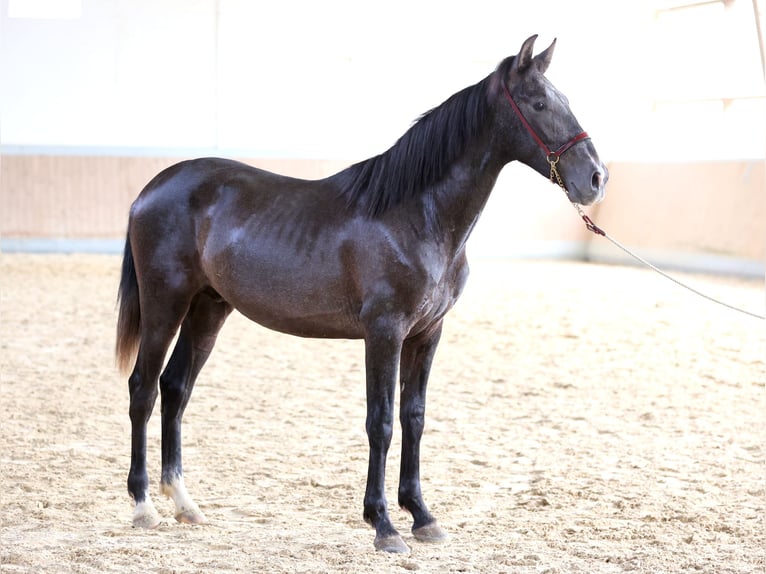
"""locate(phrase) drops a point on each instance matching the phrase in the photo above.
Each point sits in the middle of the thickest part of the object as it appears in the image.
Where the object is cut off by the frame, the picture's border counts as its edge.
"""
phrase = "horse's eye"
(539, 106)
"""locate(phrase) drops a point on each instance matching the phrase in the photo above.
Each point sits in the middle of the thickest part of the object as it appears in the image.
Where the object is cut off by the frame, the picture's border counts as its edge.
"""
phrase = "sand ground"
(581, 418)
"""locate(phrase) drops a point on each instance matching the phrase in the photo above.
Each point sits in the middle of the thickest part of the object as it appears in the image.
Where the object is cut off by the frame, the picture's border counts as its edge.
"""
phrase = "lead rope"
(556, 178)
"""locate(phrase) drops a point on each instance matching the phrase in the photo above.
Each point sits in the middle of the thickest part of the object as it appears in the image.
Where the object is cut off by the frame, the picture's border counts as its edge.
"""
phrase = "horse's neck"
(464, 193)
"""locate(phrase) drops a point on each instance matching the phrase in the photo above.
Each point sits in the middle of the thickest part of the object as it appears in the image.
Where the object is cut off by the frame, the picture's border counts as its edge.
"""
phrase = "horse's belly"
(298, 301)
(309, 323)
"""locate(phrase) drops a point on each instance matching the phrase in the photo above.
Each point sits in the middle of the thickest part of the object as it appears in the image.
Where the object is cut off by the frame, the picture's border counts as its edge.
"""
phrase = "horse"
(373, 252)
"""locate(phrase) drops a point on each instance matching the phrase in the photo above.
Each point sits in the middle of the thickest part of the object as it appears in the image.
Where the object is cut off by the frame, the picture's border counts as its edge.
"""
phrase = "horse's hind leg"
(417, 356)
(195, 342)
(159, 325)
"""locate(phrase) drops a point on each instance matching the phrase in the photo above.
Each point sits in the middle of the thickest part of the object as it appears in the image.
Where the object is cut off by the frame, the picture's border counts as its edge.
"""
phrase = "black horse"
(374, 252)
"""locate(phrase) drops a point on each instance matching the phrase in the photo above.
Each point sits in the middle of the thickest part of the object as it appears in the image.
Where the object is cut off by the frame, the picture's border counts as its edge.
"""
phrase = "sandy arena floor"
(581, 418)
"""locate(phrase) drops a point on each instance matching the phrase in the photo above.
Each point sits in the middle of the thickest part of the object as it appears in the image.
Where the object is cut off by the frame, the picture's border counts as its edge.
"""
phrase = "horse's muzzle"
(592, 192)
(598, 183)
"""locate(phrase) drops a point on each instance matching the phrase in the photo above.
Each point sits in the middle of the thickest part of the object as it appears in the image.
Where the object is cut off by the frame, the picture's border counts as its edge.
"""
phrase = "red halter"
(551, 156)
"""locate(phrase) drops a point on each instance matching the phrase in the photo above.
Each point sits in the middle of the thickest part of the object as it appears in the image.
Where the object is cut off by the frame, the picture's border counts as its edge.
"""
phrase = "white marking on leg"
(145, 514)
(186, 509)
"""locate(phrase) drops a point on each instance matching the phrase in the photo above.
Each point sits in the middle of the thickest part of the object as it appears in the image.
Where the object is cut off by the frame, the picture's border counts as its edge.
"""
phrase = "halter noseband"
(552, 157)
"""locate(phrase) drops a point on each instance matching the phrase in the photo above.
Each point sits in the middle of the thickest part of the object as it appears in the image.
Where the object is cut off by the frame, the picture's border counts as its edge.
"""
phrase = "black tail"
(129, 317)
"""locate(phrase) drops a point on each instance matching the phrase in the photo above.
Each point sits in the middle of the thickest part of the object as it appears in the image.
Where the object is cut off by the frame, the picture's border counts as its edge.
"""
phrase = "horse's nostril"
(596, 180)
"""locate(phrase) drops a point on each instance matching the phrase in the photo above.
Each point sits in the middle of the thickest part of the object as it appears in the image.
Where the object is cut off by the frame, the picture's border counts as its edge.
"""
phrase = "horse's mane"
(421, 157)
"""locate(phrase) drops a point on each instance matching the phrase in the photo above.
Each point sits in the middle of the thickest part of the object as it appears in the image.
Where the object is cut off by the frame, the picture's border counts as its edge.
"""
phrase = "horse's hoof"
(146, 516)
(191, 517)
(430, 533)
(391, 543)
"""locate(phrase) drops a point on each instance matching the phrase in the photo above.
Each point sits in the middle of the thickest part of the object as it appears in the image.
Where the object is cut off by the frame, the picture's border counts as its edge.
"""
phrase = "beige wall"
(88, 197)
(714, 209)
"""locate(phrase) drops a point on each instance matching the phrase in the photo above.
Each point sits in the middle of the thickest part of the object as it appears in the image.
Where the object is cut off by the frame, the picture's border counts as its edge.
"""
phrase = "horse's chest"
(442, 295)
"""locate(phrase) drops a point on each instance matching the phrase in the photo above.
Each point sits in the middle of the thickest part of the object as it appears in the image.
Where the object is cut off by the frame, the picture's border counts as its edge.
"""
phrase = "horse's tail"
(129, 316)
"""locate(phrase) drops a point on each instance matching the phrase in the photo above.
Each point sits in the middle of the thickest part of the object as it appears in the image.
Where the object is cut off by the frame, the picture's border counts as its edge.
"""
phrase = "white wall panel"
(343, 79)
(125, 73)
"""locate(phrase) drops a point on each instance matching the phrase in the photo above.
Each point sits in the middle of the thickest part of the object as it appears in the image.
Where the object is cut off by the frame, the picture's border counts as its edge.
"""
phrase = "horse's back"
(191, 181)
(189, 191)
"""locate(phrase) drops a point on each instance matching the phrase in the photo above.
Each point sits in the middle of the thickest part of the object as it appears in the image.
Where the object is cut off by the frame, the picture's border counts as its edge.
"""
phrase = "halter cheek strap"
(551, 156)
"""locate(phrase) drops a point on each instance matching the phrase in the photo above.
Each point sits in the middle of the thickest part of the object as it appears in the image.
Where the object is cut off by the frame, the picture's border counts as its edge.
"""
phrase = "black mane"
(421, 157)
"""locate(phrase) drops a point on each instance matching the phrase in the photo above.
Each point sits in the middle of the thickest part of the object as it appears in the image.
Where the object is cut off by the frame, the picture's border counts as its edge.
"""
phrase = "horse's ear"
(543, 59)
(523, 60)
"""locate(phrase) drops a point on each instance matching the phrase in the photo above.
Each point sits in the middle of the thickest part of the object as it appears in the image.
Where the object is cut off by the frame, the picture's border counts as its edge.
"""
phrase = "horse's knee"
(380, 431)
(413, 416)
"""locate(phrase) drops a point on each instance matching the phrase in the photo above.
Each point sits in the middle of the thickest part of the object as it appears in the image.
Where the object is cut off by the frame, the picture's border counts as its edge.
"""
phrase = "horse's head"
(548, 132)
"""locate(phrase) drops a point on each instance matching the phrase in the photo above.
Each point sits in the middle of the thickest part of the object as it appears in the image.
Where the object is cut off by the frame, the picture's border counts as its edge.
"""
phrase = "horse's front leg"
(382, 352)
(417, 356)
